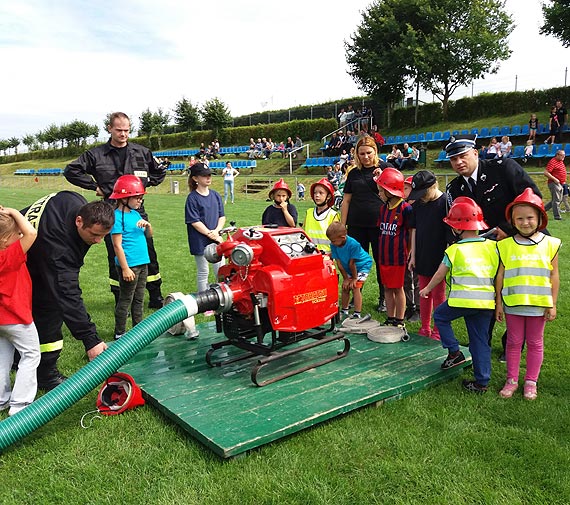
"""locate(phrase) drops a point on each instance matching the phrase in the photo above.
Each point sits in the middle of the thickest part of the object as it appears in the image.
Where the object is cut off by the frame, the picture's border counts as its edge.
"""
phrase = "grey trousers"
(131, 296)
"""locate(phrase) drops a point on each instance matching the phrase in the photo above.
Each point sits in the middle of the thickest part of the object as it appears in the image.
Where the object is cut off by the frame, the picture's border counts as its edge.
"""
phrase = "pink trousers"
(529, 329)
(427, 305)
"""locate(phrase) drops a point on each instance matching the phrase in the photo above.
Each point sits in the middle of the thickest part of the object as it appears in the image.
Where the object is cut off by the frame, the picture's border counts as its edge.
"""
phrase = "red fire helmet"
(392, 181)
(528, 197)
(466, 215)
(127, 186)
(280, 184)
(119, 393)
(324, 182)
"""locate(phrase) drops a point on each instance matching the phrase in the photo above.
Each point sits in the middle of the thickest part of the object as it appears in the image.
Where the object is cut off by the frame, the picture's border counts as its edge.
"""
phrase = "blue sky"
(76, 59)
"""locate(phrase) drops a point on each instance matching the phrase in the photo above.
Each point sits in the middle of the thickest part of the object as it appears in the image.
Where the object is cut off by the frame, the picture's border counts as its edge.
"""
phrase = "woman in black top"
(361, 203)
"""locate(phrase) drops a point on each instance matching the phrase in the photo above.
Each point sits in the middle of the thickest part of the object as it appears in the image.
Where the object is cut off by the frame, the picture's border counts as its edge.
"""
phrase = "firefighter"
(67, 227)
(99, 168)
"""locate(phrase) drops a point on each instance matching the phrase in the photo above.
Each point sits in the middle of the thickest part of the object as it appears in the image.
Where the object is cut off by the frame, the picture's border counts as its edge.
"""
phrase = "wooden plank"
(224, 410)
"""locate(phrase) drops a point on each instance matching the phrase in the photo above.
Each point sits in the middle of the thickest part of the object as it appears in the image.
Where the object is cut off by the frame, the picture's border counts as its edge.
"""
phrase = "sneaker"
(356, 315)
(529, 390)
(118, 336)
(424, 333)
(381, 306)
(509, 388)
(453, 360)
(156, 303)
(503, 357)
(435, 336)
(473, 387)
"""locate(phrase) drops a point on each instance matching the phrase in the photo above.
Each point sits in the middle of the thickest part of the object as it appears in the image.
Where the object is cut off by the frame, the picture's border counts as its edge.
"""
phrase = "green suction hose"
(95, 372)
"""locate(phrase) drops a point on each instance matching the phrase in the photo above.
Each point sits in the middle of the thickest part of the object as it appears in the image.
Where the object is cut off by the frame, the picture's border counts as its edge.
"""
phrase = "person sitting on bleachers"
(493, 150)
(379, 139)
(335, 145)
(215, 148)
(395, 156)
(280, 149)
(405, 161)
(289, 145)
(506, 147)
(268, 148)
(351, 140)
(528, 151)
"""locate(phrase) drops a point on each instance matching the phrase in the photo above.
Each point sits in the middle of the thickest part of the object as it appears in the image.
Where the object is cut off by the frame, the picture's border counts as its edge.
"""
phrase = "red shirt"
(394, 234)
(557, 169)
(15, 286)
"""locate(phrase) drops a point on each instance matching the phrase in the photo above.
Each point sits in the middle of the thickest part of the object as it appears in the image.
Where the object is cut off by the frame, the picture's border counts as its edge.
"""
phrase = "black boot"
(156, 300)
(49, 378)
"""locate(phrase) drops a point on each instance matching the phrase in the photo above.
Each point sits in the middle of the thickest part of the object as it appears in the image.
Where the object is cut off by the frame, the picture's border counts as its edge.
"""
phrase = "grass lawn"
(440, 446)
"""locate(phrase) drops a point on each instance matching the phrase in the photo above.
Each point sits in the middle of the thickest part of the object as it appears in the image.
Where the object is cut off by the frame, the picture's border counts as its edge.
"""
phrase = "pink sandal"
(529, 390)
(509, 388)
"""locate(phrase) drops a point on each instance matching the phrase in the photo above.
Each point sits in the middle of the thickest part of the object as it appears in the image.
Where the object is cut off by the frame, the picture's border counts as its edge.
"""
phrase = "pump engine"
(275, 289)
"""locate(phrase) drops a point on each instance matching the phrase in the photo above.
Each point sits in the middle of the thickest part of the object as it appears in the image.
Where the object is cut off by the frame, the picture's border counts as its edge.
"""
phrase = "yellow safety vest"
(316, 226)
(472, 273)
(527, 271)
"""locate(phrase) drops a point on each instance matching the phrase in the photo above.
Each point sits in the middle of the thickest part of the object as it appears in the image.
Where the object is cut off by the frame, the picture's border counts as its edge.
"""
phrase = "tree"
(4, 146)
(146, 123)
(216, 115)
(30, 141)
(441, 44)
(557, 20)
(186, 115)
(13, 143)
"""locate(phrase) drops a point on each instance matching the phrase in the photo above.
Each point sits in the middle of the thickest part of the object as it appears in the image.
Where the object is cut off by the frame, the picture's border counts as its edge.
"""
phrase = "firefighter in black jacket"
(493, 184)
(67, 227)
(99, 168)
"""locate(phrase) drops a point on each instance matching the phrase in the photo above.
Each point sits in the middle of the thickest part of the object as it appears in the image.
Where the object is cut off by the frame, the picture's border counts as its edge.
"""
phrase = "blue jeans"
(477, 322)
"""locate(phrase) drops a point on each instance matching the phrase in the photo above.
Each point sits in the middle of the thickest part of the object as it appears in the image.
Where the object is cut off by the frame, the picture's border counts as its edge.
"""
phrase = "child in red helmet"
(394, 222)
(527, 289)
(318, 219)
(470, 265)
(280, 212)
(129, 235)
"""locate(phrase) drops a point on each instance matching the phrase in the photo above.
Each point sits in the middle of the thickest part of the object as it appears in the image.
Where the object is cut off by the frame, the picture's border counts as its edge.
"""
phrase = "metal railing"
(367, 120)
(290, 155)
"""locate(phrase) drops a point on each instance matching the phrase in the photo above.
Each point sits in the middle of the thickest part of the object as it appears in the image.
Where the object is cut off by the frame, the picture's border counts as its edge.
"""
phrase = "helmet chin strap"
(457, 235)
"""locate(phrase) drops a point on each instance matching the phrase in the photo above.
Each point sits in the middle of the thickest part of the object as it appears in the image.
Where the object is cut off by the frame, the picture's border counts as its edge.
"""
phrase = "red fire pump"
(274, 282)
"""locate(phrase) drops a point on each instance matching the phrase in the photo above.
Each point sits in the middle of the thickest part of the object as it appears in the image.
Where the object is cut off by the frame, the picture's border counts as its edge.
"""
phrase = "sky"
(78, 59)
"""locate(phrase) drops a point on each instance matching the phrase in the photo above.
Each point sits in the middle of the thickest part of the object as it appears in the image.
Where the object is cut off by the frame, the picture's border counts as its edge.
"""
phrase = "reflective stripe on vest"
(35, 211)
(527, 271)
(473, 269)
(316, 227)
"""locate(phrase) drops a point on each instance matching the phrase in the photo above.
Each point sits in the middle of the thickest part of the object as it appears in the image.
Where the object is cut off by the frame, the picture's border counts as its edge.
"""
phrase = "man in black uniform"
(67, 227)
(493, 184)
(99, 168)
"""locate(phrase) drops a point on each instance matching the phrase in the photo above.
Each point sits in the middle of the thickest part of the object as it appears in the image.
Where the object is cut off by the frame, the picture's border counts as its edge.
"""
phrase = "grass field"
(441, 446)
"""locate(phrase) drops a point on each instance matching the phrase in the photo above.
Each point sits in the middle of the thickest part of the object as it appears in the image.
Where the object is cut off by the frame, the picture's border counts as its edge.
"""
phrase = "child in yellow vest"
(472, 264)
(318, 219)
(527, 289)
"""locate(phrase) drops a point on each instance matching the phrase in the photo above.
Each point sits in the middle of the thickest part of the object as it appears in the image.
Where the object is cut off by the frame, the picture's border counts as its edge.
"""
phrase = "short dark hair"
(118, 115)
(98, 212)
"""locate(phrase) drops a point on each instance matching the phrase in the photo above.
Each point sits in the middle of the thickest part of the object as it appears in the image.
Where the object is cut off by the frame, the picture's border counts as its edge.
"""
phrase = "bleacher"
(325, 161)
(180, 153)
(39, 171)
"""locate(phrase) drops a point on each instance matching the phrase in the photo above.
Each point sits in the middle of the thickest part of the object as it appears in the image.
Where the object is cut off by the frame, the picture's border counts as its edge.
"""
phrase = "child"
(300, 190)
(528, 150)
(318, 219)
(527, 289)
(429, 240)
(411, 281)
(281, 212)
(354, 264)
(394, 221)
(204, 217)
(129, 234)
(554, 126)
(17, 329)
(532, 128)
(471, 263)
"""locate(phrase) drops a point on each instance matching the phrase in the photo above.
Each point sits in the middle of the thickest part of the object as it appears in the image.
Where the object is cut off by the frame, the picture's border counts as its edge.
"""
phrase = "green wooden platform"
(225, 411)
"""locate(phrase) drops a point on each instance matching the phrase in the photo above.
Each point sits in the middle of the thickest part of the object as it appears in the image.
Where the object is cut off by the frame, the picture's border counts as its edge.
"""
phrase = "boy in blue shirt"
(354, 264)
(131, 252)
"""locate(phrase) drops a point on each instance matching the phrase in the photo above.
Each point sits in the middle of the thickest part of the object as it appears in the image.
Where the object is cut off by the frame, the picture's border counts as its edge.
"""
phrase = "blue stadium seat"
(516, 130)
(553, 149)
(446, 135)
(438, 137)
(567, 149)
(406, 138)
(442, 156)
(413, 138)
(543, 129)
(421, 137)
(390, 140)
(474, 131)
(518, 152)
(495, 132)
(525, 129)
(399, 139)
(505, 130)
(464, 132)
(542, 151)
(384, 156)
(429, 137)
(484, 133)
